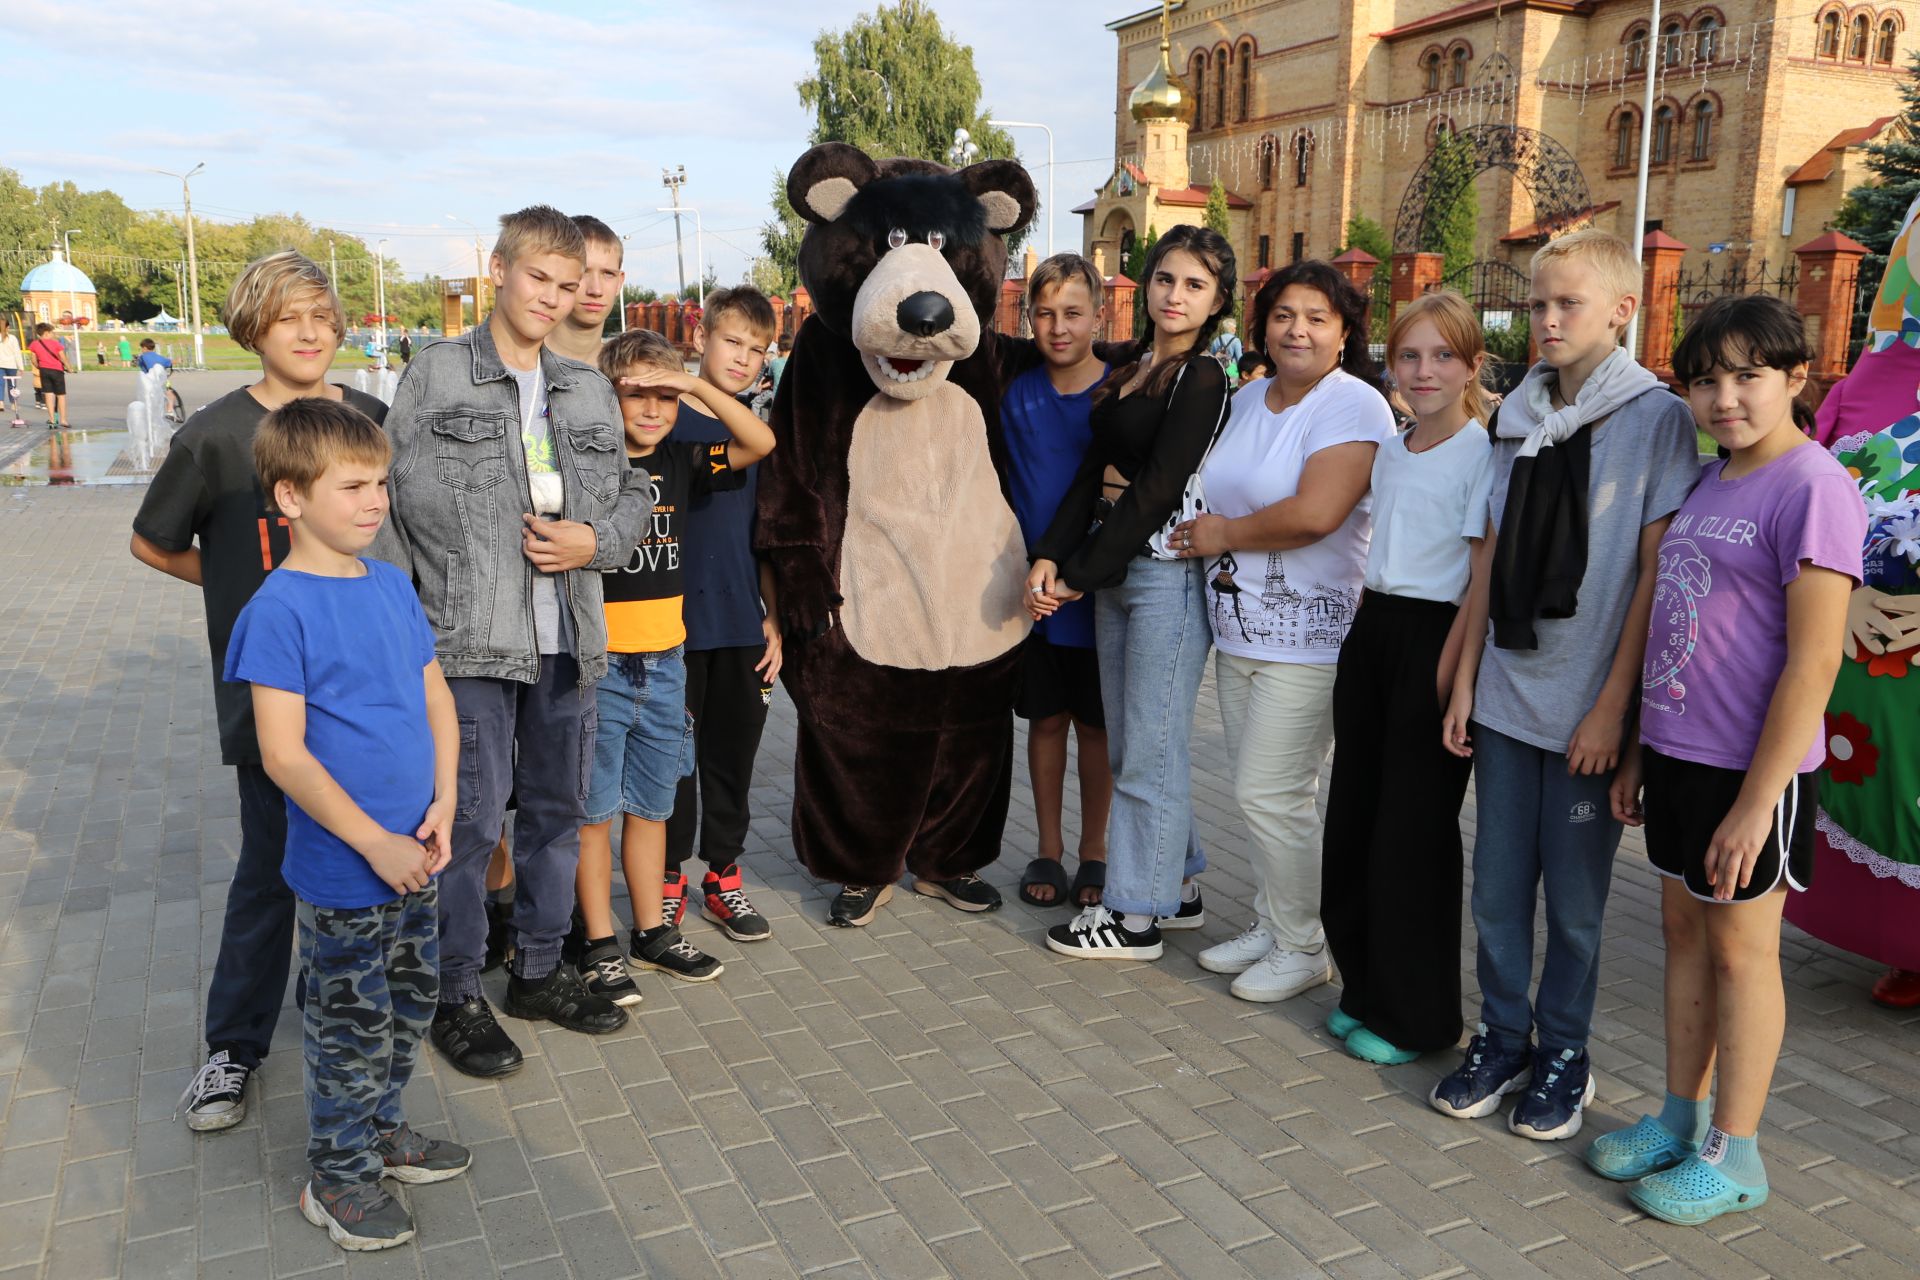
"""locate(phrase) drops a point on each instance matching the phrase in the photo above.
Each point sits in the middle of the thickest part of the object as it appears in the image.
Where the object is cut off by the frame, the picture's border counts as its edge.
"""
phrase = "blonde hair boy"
(1610, 257)
(264, 289)
(539, 228)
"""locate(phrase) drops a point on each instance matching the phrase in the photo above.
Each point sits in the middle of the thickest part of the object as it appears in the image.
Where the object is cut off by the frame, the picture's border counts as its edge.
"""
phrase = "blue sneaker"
(1553, 1106)
(1628, 1155)
(1341, 1024)
(1694, 1192)
(1490, 1072)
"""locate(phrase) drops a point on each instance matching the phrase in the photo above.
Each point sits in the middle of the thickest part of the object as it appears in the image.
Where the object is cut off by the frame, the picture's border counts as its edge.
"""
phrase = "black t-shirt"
(206, 491)
(644, 604)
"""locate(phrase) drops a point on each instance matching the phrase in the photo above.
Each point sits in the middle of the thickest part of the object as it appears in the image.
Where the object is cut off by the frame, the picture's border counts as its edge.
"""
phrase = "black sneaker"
(470, 1038)
(727, 906)
(1098, 934)
(1556, 1098)
(603, 972)
(359, 1216)
(560, 999)
(855, 906)
(499, 935)
(414, 1157)
(216, 1097)
(664, 949)
(1190, 916)
(967, 893)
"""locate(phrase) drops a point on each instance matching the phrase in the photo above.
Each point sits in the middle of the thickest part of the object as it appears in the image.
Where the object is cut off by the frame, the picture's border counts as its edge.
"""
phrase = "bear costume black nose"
(925, 313)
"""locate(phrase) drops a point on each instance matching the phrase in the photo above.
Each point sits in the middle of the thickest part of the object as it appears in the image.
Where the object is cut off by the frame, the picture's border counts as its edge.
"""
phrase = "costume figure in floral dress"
(1866, 894)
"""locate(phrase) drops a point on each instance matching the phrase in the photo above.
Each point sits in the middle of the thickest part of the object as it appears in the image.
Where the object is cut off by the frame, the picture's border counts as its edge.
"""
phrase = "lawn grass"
(221, 352)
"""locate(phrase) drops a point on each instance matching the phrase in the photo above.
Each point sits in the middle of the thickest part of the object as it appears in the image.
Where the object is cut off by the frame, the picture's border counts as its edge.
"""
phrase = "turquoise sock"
(1686, 1119)
(1738, 1158)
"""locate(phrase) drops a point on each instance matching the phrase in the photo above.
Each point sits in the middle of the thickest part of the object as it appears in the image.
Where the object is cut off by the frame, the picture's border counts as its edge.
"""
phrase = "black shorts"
(1056, 678)
(1684, 803)
(53, 382)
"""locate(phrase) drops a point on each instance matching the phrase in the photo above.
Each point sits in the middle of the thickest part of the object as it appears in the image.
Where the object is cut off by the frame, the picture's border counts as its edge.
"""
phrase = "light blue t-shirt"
(356, 649)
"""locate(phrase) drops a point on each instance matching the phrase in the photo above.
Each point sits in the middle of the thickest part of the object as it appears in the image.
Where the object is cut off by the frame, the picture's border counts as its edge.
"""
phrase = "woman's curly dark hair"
(1216, 256)
(1348, 302)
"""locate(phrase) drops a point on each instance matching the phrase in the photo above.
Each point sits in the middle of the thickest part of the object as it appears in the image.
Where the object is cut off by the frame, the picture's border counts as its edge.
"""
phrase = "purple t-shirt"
(1717, 641)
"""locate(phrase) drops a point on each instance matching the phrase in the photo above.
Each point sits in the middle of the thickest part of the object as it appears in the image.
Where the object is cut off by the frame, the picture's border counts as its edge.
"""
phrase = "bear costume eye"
(937, 240)
(896, 237)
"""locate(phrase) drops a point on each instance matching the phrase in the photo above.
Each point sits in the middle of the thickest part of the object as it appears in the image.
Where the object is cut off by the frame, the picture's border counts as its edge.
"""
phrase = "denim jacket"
(459, 488)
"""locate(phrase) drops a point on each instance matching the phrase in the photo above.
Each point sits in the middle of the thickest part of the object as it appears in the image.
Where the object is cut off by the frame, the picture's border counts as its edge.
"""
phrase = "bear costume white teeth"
(890, 366)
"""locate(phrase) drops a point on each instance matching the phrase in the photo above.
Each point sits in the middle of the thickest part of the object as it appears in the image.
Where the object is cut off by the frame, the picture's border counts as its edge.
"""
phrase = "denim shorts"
(644, 745)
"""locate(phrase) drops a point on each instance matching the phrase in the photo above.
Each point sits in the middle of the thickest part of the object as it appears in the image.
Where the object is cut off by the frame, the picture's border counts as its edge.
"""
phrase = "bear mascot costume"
(1866, 887)
(898, 566)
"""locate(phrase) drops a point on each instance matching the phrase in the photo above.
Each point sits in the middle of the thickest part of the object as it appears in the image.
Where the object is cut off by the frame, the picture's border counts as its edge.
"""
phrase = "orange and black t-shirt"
(643, 596)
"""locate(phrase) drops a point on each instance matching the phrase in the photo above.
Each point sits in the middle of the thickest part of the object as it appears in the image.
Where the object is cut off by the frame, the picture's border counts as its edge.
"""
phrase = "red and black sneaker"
(727, 906)
(673, 898)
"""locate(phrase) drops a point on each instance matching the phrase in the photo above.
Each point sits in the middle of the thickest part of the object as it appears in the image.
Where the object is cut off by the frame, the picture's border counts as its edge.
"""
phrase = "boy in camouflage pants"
(357, 727)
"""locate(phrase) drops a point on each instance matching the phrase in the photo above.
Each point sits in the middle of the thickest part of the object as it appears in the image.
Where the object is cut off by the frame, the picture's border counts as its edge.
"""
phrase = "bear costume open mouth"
(900, 369)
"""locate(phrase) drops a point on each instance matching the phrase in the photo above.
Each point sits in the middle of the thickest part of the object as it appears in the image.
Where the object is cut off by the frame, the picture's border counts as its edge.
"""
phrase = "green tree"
(1136, 268)
(1453, 210)
(1366, 234)
(1215, 217)
(893, 84)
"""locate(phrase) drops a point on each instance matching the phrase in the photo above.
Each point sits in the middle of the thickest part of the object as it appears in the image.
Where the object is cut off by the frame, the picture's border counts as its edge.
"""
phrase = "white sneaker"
(1237, 955)
(1282, 973)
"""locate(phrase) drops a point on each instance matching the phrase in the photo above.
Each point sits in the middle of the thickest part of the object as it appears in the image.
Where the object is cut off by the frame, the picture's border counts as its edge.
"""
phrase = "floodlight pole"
(1656, 59)
(699, 250)
(1028, 124)
(673, 179)
(380, 264)
(193, 261)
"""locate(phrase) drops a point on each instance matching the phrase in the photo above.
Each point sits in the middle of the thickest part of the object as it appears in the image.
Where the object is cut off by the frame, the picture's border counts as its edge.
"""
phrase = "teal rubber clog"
(1341, 1025)
(1694, 1192)
(1638, 1151)
(1368, 1047)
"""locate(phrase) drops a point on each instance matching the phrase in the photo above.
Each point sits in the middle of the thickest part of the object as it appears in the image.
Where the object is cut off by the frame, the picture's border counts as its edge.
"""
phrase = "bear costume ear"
(1004, 191)
(823, 180)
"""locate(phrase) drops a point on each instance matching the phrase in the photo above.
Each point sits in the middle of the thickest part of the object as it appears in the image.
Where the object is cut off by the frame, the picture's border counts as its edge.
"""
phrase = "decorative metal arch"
(1552, 177)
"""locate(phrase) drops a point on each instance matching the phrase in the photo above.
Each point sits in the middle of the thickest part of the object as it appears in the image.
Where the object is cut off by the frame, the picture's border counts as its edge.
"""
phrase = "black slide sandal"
(1046, 871)
(1089, 875)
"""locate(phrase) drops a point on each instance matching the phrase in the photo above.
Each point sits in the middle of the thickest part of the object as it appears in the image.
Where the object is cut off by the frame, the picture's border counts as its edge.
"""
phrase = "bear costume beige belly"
(898, 565)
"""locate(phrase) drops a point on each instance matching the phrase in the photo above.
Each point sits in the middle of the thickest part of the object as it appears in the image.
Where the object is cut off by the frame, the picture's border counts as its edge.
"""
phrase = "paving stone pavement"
(935, 1095)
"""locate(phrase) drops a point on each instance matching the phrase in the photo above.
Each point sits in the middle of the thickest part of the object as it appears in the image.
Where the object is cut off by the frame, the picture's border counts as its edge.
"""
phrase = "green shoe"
(1646, 1148)
(1694, 1192)
(1368, 1047)
(1341, 1025)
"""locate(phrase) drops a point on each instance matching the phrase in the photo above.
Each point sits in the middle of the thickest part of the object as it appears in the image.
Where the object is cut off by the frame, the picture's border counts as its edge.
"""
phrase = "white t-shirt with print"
(1425, 507)
(1290, 606)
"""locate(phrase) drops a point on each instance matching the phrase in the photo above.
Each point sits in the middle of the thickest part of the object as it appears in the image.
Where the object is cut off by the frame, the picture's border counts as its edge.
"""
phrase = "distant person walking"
(10, 372)
(405, 348)
(125, 349)
(51, 360)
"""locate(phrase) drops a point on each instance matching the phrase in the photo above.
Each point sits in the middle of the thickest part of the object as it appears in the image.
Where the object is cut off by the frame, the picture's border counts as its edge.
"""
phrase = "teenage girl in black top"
(1152, 424)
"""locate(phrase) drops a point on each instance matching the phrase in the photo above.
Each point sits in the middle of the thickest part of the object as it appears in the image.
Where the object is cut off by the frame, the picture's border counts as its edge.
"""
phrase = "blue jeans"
(643, 744)
(1152, 635)
(1536, 824)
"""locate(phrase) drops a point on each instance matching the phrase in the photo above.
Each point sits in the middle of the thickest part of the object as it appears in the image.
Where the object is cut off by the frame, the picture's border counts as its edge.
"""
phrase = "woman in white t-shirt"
(9, 366)
(1285, 545)
(1390, 893)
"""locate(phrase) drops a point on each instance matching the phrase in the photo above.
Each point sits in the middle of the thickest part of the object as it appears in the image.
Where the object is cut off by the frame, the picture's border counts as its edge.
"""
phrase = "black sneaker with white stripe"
(216, 1097)
(663, 948)
(603, 972)
(1190, 916)
(1098, 934)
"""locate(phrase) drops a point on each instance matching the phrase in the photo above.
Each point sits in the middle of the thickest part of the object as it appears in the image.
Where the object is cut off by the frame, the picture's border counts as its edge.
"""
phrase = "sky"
(418, 120)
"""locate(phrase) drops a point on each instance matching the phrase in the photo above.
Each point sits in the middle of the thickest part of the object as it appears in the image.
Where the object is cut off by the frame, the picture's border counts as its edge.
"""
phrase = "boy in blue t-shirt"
(1045, 413)
(357, 727)
(150, 356)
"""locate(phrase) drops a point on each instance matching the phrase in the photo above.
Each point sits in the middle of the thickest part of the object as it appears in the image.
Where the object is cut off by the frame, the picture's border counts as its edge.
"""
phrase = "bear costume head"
(904, 258)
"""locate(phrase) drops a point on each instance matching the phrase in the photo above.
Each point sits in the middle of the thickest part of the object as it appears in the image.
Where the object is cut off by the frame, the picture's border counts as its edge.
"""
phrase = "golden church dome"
(1162, 95)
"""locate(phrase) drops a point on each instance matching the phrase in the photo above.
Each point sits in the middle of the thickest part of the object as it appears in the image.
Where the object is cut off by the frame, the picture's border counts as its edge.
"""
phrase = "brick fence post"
(1829, 279)
(1414, 274)
(1659, 298)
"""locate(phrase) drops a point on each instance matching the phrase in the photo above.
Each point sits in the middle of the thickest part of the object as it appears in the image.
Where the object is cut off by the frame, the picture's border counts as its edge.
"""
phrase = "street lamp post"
(1028, 124)
(193, 261)
(964, 149)
(380, 266)
(1656, 60)
(699, 249)
(73, 302)
(673, 179)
